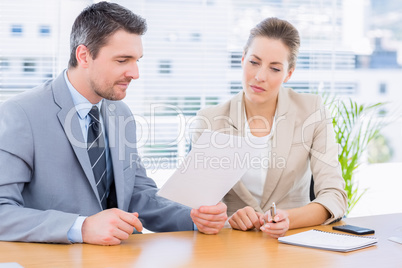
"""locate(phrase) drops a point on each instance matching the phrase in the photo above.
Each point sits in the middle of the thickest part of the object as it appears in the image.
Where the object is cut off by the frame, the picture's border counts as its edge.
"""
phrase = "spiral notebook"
(329, 241)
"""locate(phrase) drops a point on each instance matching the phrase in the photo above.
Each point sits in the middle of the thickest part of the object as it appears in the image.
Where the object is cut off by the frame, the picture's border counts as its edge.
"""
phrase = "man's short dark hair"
(97, 23)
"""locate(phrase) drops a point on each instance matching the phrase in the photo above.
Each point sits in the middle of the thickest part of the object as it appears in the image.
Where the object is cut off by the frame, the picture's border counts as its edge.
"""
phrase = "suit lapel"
(236, 114)
(281, 144)
(109, 118)
(68, 118)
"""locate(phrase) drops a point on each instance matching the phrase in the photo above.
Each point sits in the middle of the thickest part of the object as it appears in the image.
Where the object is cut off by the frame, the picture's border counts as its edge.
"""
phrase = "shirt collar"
(82, 105)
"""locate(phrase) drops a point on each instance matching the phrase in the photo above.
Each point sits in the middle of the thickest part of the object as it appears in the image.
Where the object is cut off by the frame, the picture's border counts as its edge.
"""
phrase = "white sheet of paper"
(214, 165)
(395, 239)
(10, 265)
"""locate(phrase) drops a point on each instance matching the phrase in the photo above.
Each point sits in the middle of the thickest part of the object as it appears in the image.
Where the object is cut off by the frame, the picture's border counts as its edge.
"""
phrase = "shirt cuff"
(75, 234)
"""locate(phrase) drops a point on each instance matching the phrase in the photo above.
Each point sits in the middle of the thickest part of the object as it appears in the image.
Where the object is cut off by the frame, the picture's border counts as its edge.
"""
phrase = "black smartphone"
(353, 229)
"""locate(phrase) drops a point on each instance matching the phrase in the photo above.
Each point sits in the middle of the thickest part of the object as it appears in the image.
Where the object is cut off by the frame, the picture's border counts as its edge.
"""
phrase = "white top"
(254, 178)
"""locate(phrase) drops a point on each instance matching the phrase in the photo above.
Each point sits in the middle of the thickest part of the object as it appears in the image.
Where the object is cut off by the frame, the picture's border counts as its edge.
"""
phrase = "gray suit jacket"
(46, 180)
(303, 144)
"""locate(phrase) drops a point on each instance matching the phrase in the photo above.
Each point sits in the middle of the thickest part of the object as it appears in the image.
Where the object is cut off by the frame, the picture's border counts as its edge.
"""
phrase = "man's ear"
(82, 54)
(290, 72)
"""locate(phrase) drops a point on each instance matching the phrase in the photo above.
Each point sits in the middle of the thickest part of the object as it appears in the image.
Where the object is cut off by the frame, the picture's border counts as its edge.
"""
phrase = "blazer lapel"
(236, 115)
(281, 144)
(68, 118)
(109, 118)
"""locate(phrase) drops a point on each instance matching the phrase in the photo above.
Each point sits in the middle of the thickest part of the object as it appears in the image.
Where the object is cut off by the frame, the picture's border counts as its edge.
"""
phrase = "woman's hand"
(281, 225)
(246, 219)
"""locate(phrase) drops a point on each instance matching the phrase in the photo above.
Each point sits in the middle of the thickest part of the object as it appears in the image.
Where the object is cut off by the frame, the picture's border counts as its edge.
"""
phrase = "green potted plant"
(355, 125)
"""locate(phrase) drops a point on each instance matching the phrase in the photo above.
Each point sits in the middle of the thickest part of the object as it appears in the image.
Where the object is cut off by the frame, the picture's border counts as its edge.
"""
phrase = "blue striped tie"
(96, 152)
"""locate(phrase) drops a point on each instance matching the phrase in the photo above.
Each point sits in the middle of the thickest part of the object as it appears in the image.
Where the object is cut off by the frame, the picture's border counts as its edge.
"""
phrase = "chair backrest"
(312, 195)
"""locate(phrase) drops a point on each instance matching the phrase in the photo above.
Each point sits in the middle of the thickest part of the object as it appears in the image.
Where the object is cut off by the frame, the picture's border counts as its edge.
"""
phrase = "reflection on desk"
(230, 248)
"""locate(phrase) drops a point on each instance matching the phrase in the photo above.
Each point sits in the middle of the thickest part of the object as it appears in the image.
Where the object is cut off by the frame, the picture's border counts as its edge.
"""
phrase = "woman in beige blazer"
(298, 134)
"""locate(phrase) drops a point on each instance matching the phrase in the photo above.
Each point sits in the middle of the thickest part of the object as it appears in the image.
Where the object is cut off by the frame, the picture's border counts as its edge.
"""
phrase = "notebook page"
(327, 240)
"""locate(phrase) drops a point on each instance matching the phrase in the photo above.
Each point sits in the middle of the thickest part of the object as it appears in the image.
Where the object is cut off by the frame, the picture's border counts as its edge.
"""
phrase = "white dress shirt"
(254, 178)
(83, 106)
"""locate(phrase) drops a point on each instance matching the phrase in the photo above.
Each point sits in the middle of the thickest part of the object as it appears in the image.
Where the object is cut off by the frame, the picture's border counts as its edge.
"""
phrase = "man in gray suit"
(69, 167)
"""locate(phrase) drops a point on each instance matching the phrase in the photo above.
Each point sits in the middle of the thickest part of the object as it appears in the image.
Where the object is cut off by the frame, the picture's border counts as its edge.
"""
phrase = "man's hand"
(210, 219)
(110, 227)
(246, 219)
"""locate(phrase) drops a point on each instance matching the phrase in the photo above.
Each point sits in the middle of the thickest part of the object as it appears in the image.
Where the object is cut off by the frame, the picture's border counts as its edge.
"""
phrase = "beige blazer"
(303, 143)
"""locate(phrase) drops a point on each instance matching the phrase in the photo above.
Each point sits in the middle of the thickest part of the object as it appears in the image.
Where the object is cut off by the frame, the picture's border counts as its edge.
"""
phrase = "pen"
(273, 211)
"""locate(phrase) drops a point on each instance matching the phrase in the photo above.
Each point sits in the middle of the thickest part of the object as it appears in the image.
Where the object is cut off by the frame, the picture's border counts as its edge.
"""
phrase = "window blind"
(34, 42)
(192, 57)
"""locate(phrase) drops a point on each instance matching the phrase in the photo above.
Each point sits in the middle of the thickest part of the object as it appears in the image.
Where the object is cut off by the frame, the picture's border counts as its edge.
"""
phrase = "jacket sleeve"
(18, 222)
(199, 123)
(328, 182)
(155, 212)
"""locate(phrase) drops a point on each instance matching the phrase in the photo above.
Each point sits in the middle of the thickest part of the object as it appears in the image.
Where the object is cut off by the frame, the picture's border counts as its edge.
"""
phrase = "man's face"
(115, 66)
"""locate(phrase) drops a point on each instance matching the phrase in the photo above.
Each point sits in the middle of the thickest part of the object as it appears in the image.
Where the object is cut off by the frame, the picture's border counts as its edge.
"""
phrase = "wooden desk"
(229, 248)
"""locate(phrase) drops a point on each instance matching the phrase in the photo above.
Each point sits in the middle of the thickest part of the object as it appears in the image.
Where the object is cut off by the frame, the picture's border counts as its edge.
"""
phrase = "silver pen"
(273, 211)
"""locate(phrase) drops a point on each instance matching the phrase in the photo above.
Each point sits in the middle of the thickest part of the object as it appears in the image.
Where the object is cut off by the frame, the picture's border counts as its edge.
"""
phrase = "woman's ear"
(82, 54)
(242, 58)
(290, 72)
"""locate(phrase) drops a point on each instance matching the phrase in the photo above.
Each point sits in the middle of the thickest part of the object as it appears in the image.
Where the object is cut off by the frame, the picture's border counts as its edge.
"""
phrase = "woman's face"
(265, 68)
